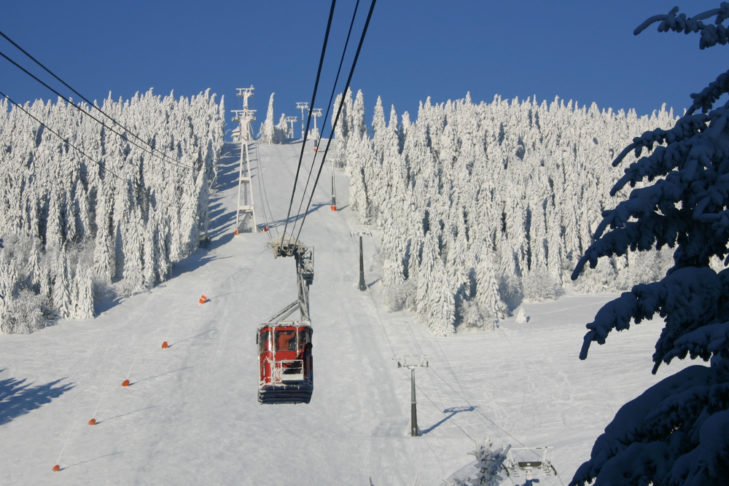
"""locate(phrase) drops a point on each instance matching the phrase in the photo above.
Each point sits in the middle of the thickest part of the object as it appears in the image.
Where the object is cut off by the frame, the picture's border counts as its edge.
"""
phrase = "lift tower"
(245, 219)
(291, 120)
(303, 106)
(316, 113)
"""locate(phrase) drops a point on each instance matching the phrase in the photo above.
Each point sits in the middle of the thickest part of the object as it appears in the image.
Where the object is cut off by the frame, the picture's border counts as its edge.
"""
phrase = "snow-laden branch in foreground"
(677, 432)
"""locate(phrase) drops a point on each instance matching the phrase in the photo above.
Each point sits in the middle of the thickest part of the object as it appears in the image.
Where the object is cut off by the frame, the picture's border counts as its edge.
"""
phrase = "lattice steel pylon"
(245, 219)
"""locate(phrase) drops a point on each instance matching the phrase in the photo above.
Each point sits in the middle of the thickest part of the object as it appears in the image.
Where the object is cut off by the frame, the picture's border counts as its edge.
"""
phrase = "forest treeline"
(100, 210)
(483, 205)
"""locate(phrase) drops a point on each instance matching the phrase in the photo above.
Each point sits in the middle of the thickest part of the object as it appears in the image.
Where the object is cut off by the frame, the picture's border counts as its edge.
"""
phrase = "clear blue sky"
(577, 49)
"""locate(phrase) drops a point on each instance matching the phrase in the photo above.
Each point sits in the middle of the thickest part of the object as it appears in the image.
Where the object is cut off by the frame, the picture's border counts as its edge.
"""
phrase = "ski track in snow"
(191, 415)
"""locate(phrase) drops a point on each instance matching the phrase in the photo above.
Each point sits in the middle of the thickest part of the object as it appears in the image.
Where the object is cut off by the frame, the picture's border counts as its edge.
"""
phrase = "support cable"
(264, 193)
(134, 135)
(267, 213)
(339, 112)
(329, 105)
(308, 118)
(148, 151)
(65, 140)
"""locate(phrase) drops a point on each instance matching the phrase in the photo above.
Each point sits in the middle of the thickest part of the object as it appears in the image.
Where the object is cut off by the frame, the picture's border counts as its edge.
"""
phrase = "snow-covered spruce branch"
(637, 446)
(701, 343)
(686, 296)
(693, 193)
(654, 230)
(677, 432)
(659, 162)
(706, 98)
(711, 34)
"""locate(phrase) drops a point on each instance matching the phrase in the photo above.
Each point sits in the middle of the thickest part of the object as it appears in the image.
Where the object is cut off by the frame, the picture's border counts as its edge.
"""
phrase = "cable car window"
(286, 340)
(263, 338)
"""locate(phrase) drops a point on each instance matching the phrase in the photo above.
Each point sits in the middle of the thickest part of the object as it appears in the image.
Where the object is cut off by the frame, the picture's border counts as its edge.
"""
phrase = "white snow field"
(191, 414)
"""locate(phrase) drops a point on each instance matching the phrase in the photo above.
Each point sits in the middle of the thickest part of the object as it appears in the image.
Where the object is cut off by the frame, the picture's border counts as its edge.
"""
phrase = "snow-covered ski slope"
(191, 416)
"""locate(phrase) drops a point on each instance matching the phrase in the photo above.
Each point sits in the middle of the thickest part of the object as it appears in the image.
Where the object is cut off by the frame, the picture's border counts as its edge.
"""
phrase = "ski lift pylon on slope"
(286, 373)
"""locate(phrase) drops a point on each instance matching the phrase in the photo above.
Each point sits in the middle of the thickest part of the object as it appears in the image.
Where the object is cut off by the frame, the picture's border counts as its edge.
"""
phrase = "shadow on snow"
(228, 167)
(280, 222)
(18, 397)
(227, 177)
(219, 220)
(219, 228)
(452, 412)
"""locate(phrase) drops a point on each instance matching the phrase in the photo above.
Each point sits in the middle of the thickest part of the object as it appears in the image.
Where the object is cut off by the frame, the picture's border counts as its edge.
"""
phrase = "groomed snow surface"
(190, 414)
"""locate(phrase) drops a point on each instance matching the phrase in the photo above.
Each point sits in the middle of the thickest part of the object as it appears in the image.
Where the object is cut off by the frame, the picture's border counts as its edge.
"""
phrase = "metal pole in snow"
(334, 194)
(413, 406)
(362, 285)
(303, 106)
(316, 113)
(402, 363)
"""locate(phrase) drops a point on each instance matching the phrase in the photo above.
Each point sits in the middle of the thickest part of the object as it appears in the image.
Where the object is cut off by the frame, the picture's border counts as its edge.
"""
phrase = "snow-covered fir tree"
(281, 130)
(100, 208)
(268, 127)
(489, 466)
(676, 432)
(270, 131)
(508, 192)
(342, 130)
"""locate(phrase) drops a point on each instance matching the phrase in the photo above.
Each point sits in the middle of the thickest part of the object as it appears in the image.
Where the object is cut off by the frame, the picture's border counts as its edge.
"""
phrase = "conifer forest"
(483, 205)
(98, 211)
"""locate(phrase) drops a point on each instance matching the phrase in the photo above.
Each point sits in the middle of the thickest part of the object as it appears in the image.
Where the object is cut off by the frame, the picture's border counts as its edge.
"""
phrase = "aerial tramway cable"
(286, 372)
(150, 150)
(65, 140)
(127, 130)
(460, 390)
(329, 105)
(267, 213)
(285, 379)
(339, 111)
(308, 118)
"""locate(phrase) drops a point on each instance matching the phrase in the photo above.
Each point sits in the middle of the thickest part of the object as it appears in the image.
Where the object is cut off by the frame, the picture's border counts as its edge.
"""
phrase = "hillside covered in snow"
(190, 414)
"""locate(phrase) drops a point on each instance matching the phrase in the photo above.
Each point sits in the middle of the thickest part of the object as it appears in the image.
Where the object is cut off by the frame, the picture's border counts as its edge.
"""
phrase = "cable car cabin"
(285, 362)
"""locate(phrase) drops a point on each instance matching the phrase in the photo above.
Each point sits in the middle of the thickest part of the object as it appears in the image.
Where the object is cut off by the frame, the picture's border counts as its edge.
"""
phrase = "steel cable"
(339, 111)
(308, 118)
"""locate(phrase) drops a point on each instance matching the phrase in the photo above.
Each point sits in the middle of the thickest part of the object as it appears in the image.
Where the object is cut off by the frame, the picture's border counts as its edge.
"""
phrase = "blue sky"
(580, 50)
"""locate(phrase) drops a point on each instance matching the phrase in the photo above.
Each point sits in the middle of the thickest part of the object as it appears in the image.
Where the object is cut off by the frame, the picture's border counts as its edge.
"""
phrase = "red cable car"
(284, 355)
